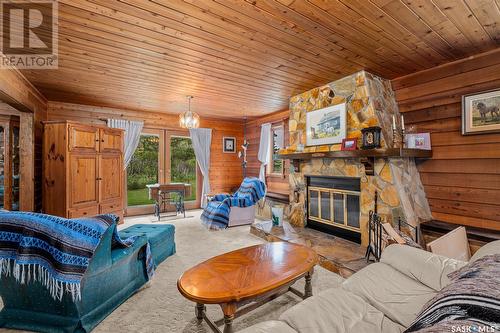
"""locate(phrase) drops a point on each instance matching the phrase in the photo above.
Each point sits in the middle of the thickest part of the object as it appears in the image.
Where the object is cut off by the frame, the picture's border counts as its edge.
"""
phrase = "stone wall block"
(390, 196)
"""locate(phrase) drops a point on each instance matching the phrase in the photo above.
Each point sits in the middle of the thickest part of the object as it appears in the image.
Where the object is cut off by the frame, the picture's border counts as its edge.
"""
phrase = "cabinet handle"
(98, 178)
(97, 140)
(84, 213)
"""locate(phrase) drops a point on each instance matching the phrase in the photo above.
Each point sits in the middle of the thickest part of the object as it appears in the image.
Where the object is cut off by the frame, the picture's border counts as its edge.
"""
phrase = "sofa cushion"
(391, 292)
(473, 296)
(160, 237)
(274, 326)
(490, 248)
(425, 267)
(123, 253)
(337, 311)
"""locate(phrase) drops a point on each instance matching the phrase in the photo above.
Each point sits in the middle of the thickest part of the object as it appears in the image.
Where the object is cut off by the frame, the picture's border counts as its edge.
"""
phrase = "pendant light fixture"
(189, 119)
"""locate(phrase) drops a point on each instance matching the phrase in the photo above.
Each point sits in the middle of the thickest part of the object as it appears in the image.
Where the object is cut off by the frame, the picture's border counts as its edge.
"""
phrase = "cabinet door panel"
(83, 212)
(110, 207)
(110, 177)
(83, 179)
(83, 138)
(111, 141)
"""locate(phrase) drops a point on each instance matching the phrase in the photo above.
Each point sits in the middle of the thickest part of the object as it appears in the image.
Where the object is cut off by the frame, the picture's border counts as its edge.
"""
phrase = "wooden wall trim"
(272, 117)
(158, 120)
(18, 92)
(27, 157)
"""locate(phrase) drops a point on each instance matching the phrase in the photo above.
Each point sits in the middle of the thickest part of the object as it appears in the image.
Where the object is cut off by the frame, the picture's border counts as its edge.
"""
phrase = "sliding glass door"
(162, 156)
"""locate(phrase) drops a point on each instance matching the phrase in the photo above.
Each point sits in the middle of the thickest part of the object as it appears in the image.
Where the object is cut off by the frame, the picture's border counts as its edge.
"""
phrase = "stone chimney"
(370, 102)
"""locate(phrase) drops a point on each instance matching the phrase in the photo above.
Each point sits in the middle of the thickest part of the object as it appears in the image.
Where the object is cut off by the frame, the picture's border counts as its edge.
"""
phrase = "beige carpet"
(160, 308)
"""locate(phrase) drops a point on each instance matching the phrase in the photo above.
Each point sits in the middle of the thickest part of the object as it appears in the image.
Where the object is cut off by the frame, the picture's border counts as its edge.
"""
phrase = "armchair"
(225, 210)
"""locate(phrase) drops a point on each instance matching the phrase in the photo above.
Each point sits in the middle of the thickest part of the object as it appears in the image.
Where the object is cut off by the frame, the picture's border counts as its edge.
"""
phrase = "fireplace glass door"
(335, 207)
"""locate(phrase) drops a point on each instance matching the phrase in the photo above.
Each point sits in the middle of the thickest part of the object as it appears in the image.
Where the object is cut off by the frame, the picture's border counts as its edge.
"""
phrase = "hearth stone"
(336, 254)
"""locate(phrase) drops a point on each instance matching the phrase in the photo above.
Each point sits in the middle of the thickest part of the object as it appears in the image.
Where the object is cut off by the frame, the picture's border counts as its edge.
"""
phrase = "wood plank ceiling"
(246, 58)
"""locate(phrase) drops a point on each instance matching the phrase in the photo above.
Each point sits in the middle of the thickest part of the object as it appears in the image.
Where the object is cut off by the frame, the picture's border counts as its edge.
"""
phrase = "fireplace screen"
(339, 208)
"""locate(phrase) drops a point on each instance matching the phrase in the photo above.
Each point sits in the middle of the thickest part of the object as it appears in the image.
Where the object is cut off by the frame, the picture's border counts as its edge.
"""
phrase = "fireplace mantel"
(379, 153)
(366, 156)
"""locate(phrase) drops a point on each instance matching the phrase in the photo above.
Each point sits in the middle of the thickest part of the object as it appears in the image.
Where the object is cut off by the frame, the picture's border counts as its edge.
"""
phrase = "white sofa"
(384, 297)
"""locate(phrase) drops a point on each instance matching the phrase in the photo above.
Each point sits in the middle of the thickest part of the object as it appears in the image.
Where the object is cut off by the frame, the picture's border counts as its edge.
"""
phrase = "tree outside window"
(143, 170)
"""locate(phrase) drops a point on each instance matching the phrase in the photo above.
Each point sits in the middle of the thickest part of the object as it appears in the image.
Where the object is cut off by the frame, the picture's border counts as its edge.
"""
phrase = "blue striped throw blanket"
(53, 250)
(216, 214)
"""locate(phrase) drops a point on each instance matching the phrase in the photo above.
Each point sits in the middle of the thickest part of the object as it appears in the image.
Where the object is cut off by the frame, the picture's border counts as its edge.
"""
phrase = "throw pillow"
(472, 299)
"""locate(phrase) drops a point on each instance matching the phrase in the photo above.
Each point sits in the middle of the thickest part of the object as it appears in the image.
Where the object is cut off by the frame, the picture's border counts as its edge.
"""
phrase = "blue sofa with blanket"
(112, 275)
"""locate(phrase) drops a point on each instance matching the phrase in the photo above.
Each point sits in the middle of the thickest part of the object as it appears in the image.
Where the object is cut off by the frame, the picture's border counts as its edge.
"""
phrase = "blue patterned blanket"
(54, 250)
(216, 214)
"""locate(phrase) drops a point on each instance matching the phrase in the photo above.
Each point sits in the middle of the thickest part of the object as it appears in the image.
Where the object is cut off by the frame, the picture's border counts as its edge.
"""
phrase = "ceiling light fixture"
(189, 119)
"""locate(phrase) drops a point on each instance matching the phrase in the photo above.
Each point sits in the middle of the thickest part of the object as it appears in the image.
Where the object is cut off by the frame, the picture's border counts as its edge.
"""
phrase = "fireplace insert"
(333, 206)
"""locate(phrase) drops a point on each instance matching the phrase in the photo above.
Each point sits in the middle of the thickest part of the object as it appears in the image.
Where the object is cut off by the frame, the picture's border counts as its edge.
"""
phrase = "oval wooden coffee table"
(242, 280)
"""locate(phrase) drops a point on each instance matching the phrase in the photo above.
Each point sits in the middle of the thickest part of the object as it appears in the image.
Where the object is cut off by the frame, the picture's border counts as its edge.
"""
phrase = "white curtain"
(264, 150)
(133, 130)
(201, 139)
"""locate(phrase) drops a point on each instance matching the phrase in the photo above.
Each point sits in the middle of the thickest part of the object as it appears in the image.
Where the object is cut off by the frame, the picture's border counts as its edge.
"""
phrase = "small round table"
(242, 280)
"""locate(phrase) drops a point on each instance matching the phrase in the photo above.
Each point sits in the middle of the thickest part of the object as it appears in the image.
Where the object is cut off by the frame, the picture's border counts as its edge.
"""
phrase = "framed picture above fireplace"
(326, 126)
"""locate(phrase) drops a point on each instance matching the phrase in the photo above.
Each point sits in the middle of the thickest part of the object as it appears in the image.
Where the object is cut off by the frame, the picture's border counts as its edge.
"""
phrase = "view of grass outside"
(142, 170)
(183, 163)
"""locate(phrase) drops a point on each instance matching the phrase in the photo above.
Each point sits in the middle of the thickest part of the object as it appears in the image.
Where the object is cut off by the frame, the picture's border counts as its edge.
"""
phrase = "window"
(143, 170)
(183, 163)
(277, 142)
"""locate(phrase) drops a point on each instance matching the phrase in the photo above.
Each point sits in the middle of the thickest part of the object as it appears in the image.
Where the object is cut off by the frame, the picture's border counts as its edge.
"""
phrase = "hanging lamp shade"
(189, 119)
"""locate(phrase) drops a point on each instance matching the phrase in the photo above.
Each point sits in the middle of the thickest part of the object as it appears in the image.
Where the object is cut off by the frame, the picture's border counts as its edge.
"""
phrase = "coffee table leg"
(308, 291)
(199, 311)
(229, 309)
(228, 323)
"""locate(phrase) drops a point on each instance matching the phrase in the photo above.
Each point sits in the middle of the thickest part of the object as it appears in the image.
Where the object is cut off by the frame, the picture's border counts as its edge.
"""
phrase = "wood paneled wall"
(462, 180)
(17, 92)
(225, 168)
(274, 183)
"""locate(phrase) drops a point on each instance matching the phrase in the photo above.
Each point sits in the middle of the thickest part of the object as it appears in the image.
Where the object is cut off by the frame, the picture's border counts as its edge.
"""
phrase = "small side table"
(162, 195)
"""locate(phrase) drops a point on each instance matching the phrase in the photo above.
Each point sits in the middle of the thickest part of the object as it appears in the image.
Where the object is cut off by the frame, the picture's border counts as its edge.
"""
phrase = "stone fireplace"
(394, 181)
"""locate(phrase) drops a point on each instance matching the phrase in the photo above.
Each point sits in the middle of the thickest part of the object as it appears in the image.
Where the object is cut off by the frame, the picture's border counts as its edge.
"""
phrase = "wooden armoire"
(82, 170)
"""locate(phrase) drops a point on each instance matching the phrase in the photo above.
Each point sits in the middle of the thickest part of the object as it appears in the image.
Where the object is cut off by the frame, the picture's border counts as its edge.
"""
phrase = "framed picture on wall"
(326, 126)
(418, 141)
(229, 144)
(481, 112)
